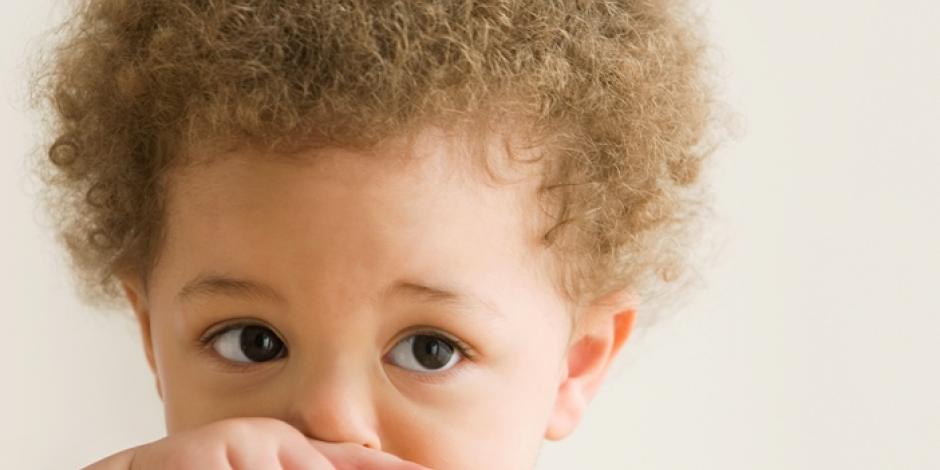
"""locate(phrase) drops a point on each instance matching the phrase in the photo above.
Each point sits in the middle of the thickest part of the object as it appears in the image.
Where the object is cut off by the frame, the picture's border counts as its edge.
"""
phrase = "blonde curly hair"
(617, 89)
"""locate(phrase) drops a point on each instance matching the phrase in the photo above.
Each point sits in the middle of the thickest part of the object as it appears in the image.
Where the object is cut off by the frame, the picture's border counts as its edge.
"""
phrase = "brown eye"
(425, 353)
(249, 343)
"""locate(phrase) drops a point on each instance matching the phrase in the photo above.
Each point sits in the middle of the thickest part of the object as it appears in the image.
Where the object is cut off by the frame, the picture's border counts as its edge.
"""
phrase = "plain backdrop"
(812, 343)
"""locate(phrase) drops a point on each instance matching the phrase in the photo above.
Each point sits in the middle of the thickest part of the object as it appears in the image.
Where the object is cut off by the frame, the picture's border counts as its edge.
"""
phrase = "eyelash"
(466, 352)
(463, 348)
(205, 344)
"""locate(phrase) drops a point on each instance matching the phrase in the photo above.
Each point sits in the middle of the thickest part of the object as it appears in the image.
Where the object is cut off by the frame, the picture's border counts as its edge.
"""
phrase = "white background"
(814, 343)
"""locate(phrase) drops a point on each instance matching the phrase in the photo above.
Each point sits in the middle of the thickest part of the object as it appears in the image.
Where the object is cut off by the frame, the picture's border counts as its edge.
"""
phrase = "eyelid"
(465, 350)
(205, 342)
(226, 325)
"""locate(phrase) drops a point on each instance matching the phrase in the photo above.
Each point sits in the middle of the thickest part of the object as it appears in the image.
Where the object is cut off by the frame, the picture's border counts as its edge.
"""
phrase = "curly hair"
(618, 88)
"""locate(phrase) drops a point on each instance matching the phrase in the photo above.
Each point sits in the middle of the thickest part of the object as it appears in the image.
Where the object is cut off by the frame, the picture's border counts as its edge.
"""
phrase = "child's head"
(314, 207)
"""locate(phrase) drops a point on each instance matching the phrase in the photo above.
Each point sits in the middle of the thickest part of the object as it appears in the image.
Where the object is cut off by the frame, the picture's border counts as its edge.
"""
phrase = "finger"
(296, 453)
(247, 455)
(346, 456)
(303, 457)
(121, 459)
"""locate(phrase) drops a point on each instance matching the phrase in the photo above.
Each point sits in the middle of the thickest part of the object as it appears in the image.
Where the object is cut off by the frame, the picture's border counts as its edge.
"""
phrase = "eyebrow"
(207, 285)
(216, 284)
(444, 296)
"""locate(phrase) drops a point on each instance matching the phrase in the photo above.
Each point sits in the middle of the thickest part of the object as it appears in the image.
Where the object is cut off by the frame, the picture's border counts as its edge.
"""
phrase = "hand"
(249, 444)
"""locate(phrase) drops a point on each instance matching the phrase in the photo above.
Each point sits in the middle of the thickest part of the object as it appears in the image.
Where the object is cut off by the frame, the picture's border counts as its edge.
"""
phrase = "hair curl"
(618, 88)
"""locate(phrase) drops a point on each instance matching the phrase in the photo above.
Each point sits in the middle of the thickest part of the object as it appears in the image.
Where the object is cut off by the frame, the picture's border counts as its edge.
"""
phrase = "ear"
(593, 348)
(137, 296)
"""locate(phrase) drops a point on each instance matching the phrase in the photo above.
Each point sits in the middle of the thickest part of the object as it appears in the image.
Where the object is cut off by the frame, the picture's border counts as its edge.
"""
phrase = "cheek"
(191, 403)
(502, 415)
(193, 393)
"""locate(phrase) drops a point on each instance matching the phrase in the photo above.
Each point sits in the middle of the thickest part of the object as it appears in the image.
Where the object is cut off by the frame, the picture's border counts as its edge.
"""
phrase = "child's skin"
(327, 251)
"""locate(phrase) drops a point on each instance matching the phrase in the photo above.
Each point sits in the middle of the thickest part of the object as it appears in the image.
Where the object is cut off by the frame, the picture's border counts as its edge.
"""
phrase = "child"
(373, 234)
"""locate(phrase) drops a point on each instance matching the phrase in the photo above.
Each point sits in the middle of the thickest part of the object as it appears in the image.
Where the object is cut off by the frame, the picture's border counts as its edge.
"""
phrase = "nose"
(335, 408)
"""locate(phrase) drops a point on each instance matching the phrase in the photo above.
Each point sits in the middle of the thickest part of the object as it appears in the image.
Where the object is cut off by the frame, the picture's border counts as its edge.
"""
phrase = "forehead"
(418, 208)
(432, 176)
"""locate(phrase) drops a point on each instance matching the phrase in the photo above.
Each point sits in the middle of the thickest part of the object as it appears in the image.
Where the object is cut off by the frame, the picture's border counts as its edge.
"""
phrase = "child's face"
(328, 255)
